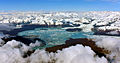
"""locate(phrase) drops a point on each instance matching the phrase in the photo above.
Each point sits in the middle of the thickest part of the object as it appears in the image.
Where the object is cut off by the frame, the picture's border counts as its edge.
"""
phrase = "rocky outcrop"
(111, 31)
(18, 38)
(84, 41)
(74, 29)
(15, 31)
(24, 40)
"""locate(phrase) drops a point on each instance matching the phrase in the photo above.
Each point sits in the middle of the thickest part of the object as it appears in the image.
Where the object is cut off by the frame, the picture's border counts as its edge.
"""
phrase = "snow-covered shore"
(107, 23)
(17, 52)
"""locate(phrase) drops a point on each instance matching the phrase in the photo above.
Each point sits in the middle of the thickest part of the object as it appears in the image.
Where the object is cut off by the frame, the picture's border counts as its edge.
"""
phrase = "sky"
(60, 5)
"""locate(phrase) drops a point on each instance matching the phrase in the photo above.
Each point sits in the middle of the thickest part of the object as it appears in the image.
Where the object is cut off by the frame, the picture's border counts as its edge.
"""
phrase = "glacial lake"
(54, 36)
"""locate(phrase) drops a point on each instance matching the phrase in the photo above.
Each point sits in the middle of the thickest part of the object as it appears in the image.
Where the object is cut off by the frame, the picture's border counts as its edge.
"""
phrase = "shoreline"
(14, 32)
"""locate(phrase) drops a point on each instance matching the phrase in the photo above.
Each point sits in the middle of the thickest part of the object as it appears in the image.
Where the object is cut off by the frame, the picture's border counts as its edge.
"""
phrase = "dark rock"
(74, 29)
(86, 23)
(28, 53)
(83, 41)
(76, 25)
(88, 42)
(105, 32)
(18, 38)
(25, 27)
(35, 38)
(24, 40)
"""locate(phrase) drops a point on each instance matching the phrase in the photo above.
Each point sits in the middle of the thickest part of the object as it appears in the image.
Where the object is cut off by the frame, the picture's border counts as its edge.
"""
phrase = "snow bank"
(13, 51)
(73, 54)
(108, 43)
(113, 45)
(9, 53)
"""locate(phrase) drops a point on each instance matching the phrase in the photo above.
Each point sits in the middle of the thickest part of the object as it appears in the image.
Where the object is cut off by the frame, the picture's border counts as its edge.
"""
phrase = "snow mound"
(113, 45)
(73, 54)
(13, 51)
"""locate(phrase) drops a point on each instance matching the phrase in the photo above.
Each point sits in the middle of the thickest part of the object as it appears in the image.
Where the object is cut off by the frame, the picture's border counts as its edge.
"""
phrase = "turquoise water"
(54, 36)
